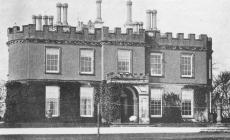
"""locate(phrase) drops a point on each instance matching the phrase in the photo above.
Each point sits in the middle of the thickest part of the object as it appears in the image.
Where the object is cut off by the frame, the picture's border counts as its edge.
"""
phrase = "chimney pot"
(65, 5)
(98, 1)
(154, 11)
(34, 19)
(59, 4)
(45, 18)
(51, 20)
(129, 2)
(39, 23)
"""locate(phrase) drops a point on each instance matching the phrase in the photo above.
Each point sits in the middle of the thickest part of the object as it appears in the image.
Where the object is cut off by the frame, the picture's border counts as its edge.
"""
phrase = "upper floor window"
(52, 100)
(187, 103)
(86, 101)
(156, 64)
(124, 61)
(156, 102)
(186, 65)
(86, 61)
(52, 60)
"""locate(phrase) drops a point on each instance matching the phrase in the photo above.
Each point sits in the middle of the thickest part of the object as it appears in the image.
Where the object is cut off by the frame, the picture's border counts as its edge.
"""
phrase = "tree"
(2, 98)
(221, 87)
(221, 91)
(172, 109)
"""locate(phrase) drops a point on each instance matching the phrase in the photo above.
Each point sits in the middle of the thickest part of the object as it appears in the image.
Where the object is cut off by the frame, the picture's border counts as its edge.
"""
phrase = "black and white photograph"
(114, 70)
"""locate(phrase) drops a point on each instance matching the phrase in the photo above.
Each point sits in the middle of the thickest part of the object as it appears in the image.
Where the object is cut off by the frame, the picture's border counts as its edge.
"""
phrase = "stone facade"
(28, 77)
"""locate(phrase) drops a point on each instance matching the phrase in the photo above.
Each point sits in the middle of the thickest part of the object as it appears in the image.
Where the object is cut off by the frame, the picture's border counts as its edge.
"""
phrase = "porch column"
(135, 106)
(143, 93)
(218, 119)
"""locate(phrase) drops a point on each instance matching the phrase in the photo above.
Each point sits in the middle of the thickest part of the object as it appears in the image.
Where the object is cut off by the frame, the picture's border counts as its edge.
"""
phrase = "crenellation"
(203, 37)
(117, 31)
(46, 28)
(169, 35)
(179, 40)
(180, 36)
(191, 36)
(129, 31)
(16, 29)
(86, 33)
(59, 29)
(70, 33)
(210, 39)
(72, 30)
(158, 35)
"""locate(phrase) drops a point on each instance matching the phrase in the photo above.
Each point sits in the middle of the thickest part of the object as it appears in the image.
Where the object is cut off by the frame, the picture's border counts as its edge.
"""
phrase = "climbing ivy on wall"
(172, 109)
(110, 100)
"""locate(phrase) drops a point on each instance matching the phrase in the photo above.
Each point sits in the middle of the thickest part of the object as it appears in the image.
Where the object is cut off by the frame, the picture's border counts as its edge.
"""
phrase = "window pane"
(187, 102)
(52, 60)
(156, 64)
(186, 65)
(86, 61)
(156, 102)
(124, 59)
(52, 100)
(86, 104)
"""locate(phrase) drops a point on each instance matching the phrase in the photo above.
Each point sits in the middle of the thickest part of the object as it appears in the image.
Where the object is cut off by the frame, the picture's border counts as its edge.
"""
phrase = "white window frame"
(191, 65)
(92, 61)
(192, 102)
(57, 98)
(151, 98)
(129, 61)
(161, 63)
(92, 102)
(58, 61)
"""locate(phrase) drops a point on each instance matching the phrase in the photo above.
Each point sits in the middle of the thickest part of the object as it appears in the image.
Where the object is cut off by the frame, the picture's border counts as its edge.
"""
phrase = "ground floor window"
(86, 101)
(187, 103)
(156, 102)
(52, 101)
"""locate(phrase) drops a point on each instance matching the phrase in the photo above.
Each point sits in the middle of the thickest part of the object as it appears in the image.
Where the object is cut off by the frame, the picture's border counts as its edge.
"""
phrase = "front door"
(127, 105)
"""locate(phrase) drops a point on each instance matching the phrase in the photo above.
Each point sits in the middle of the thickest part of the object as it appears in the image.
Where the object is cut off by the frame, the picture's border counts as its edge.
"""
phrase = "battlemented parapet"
(70, 34)
(167, 39)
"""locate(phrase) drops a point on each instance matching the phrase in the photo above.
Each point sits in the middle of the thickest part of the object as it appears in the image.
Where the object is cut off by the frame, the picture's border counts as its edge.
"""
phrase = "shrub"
(172, 109)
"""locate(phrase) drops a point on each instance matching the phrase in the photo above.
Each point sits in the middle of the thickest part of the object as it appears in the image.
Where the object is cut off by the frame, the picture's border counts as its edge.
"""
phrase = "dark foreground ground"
(184, 136)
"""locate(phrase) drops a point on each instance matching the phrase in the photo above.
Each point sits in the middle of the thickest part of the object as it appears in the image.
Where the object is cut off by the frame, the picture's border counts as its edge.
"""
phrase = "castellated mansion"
(62, 73)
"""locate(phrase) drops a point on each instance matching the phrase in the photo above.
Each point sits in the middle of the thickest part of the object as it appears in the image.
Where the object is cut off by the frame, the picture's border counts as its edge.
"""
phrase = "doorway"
(128, 104)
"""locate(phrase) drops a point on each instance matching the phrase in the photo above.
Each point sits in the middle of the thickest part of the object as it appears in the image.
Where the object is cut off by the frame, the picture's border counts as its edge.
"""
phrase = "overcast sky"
(211, 17)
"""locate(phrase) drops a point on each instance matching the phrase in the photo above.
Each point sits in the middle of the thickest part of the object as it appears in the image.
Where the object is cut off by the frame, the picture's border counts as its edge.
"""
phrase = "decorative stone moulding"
(127, 76)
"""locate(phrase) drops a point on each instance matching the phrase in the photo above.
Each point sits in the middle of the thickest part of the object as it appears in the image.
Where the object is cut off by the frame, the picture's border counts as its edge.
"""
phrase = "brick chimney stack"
(98, 19)
(59, 6)
(151, 20)
(65, 10)
(154, 19)
(148, 19)
(129, 12)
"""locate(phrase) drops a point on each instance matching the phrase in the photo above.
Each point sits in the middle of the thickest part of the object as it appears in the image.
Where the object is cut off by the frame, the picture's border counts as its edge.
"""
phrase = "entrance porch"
(132, 98)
